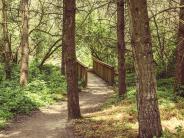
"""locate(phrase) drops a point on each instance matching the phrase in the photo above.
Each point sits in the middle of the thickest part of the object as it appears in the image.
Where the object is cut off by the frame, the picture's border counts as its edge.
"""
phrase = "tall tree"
(6, 43)
(70, 59)
(148, 111)
(179, 52)
(24, 44)
(121, 47)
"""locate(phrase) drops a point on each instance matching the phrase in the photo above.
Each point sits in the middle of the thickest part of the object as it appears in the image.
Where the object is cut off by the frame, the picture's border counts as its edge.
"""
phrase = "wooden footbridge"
(101, 69)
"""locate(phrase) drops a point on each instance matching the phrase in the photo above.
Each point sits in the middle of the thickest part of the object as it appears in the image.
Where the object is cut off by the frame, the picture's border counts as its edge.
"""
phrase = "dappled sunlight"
(15, 134)
(172, 124)
(114, 121)
(55, 109)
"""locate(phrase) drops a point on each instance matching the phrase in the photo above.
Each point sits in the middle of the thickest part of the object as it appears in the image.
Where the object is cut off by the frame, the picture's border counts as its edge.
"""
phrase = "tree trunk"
(24, 44)
(148, 111)
(6, 43)
(179, 53)
(70, 59)
(121, 47)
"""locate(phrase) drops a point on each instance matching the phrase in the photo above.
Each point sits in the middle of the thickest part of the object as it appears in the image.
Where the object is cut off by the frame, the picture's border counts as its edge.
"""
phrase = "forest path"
(51, 122)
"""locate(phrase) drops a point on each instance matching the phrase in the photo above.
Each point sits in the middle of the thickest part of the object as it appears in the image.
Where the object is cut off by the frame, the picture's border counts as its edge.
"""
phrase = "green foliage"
(44, 88)
(114, 100)
(130, 79)
(179, 90)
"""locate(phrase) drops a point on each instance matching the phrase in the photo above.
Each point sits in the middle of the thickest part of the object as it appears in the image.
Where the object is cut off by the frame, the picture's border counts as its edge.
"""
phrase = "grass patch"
(118, 117)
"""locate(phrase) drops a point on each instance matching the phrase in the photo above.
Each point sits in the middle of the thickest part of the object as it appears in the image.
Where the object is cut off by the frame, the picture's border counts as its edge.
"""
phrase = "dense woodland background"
(95, 36)
(96, 31)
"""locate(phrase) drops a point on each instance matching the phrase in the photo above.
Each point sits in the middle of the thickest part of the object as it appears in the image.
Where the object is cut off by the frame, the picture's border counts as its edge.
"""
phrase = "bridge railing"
(103, 70)
(82, 73)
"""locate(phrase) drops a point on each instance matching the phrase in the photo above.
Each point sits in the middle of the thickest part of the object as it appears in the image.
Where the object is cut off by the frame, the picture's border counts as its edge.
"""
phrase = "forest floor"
(51, 122)
(118, 116)
(105, 115)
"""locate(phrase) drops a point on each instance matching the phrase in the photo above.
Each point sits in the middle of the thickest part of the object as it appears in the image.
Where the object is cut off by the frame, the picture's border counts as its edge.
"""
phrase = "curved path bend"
(51, 122)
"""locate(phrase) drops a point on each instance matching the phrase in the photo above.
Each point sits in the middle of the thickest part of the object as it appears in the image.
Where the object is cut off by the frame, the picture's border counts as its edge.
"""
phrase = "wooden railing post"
(113, 76)
(82, 73)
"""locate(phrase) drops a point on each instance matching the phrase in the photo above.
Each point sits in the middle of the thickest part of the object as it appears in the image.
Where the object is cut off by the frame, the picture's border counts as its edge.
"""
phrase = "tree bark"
(180, 51)
(70, 59)
(121, 47)
(148, 111)
(24, 44)
(6, 43)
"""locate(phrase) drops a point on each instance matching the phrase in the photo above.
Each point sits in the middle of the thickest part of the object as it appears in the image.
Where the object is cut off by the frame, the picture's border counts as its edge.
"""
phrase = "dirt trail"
(51, 122)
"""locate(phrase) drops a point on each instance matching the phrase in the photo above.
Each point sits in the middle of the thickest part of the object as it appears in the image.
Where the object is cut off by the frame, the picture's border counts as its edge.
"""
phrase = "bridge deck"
(95, 94)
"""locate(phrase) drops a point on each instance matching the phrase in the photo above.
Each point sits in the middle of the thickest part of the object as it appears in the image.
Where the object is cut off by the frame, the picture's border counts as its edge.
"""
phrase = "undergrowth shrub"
(44, 88)
(179, 90)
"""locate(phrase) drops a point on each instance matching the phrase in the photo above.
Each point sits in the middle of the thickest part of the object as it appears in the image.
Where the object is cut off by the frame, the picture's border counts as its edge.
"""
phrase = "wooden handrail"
(82, 73)
(103, 63)
(103, 70)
